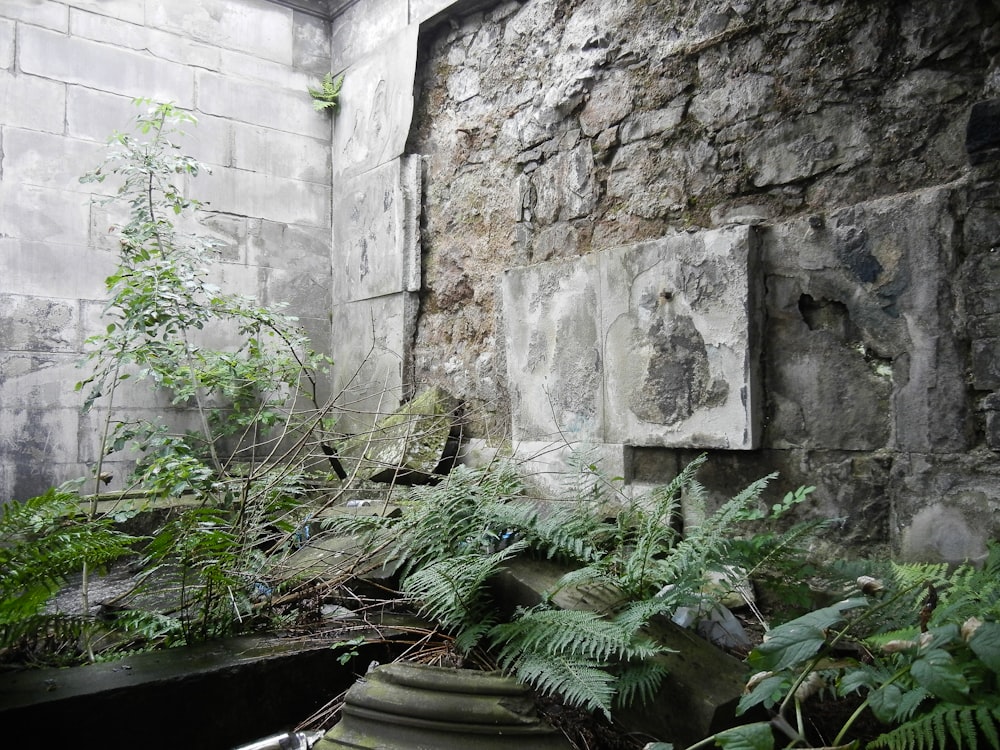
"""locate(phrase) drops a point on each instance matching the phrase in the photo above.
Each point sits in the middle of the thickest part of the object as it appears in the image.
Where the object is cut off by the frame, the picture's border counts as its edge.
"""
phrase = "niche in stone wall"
(653, 344)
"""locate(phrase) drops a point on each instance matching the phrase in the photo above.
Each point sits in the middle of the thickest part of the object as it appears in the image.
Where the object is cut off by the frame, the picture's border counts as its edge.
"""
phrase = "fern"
(453, 591)
(963, 725)
(47, 539)
(327, 96)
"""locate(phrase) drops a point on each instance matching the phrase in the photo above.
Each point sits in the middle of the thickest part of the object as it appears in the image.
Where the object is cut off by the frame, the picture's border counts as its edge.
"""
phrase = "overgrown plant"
(933, 681)
(254, 403)
(327, 96)
(46, 539)
(453, 537)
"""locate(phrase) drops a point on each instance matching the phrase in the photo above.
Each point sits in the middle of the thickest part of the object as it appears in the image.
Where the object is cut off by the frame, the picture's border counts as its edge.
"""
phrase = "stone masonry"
(522, 196)
(68, 73)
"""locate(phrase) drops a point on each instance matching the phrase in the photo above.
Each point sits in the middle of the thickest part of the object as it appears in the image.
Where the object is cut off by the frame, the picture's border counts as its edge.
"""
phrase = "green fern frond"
(639, 681)
(328, 95)
(577, 682)
(964, 725)
(452, 590)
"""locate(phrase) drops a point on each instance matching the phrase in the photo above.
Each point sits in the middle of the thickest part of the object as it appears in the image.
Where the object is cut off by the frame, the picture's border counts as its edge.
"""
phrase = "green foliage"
(935, 682)
(244, 464)
(46, 539)
(452, 537)
(327, 96)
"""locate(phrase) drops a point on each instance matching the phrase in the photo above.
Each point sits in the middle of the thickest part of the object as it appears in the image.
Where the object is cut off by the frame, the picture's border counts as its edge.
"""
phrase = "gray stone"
(652, 344)
(264, 31)
(80, 61)
(280, 107)
(365, 26)
(6, 44)
(409, 446)
(373, 375)
(376, 107)
(376, 227)
(32, 102)
(702, 683)
(49, 15)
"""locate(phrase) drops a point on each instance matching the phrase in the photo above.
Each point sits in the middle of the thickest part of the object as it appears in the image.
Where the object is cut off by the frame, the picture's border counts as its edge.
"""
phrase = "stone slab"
(73, 60)
(285, 107)
(32, 102)
(648, 344)
(258, 28)
(363, 27)
(376, 231)
(50, 15)
(371, 341)
(376, 106)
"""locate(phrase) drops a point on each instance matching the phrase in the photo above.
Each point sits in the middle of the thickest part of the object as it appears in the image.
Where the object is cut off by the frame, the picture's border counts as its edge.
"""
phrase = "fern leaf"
(987, 718)
(639, 681)
(933, 730)
(578, 682)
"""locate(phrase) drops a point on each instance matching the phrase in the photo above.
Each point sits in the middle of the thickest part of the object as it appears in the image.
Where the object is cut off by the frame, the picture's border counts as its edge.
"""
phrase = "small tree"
(255, 402)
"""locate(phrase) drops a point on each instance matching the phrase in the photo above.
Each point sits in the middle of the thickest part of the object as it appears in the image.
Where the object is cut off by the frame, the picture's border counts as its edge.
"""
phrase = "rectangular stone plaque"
(376, 231)
(653, 344)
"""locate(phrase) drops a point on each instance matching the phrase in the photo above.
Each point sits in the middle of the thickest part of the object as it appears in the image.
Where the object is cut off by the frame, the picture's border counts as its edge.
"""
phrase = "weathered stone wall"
(557, 130)
(68, 70)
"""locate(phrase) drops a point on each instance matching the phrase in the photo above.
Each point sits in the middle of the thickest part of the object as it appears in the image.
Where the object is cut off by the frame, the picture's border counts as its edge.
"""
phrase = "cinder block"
(102, 66)
(364, 27)
(260, 29)
(31, 102)
(376, 107)
(377, 233)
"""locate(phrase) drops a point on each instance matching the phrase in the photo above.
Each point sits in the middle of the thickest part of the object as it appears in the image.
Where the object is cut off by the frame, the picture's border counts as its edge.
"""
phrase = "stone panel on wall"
(376, 105)
(376, 231)
(648, 344)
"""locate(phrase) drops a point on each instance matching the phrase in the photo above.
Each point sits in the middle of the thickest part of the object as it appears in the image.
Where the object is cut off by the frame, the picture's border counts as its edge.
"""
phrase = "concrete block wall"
(68, 72)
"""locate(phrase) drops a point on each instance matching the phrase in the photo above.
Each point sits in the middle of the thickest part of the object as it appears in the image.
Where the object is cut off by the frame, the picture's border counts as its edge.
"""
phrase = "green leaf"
(937, 671)
(797, 641)
(885, 702)
(756, 736)
(985, 643)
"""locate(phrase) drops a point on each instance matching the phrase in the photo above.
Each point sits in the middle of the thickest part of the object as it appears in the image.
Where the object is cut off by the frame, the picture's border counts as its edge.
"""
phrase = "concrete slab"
(376, 107)
(679, 325)
(377, 232)
(363, 27)
(554, 359)
(260, 29)
(32, 102)
(72, 60)
(649, 344)
(372, 375)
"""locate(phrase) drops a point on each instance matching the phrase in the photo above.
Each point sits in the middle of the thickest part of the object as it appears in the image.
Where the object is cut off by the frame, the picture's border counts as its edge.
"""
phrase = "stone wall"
(765, 230)
(557, 132)
(68, 72)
